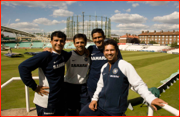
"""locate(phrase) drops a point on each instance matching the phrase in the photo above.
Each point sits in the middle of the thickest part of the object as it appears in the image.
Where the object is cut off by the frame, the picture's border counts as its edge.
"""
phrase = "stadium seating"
(47, 45)
(123, 47)
(11, 45)
(37, 45)
(175, 51)
(155, 48)
(89, 44)
(24, 45)
(134, 48)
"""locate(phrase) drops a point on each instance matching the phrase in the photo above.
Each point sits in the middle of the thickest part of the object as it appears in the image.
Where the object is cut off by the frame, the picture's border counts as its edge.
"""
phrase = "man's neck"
(58, 52)
(79, 52)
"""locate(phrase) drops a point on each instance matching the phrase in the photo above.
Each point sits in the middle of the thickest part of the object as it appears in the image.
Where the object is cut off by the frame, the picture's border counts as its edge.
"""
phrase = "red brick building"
(160, 37)
(127, 38)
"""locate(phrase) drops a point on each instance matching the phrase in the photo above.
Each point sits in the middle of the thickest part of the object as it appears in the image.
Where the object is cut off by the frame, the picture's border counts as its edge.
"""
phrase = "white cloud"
(62, 13)
(156, 3)
(45, 21)
(17, 20)
(176, 4)
(25, 26)
(117, 11)
(135, 5)
(128, 10)
(172, 18)
(152, 3)
(128, 18)
(32, 30)
(43, 4)
(165, 27)
(132, 26)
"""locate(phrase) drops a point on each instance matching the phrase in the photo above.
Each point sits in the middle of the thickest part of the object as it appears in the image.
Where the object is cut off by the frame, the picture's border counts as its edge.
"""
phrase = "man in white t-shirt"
(75, 79)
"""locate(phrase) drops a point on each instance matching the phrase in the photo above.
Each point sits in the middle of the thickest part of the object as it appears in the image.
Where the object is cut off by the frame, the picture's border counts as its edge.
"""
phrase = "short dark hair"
(58, 34)
(97, 30)
(79, 35)
(111, 42)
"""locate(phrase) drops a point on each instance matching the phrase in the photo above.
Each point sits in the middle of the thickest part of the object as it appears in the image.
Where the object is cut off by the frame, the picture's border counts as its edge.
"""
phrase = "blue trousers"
(76, 96)
(86, 111)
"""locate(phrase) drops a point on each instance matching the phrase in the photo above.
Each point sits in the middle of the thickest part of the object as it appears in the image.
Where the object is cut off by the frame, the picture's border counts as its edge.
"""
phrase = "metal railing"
(150, 110)
(26, 90)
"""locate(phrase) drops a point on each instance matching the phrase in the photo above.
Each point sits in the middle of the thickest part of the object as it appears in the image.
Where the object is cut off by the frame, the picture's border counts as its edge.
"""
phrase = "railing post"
(150, 111)
(27, 98)
(171, 109)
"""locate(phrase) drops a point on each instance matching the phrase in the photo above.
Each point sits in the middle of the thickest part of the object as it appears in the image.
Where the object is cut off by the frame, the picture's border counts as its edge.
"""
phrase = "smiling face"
(57, 44)
(98, 39)
(80, 44)
(110, 53)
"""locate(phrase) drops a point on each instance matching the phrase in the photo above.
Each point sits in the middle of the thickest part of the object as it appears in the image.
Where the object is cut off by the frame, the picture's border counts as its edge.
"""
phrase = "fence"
(26, 90)
(150, 110)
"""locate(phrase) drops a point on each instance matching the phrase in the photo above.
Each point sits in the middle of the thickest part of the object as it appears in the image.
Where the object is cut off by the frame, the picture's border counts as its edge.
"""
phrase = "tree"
(174, 45)
(117, 40)
(143, 42)
(2, 35)
(135, 40)
(153, 42)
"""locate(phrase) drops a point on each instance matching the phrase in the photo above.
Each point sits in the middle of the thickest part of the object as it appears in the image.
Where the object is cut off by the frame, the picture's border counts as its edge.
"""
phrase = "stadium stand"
(24, 45)
(155, 48)
(47, 45)
(123, 47)
(134, 48)
(11, 45)
(37, 45)
(70, 46)
(89, 44)
(175, 51)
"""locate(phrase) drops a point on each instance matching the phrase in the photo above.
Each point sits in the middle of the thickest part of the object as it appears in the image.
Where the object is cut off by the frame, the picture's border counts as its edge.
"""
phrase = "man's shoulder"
(91, 47)
(43, 54)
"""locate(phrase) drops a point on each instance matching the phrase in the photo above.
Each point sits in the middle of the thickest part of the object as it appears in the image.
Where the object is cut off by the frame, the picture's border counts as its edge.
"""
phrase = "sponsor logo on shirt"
(58, 65)
(114, 76)
(79, 65)
(98, 58)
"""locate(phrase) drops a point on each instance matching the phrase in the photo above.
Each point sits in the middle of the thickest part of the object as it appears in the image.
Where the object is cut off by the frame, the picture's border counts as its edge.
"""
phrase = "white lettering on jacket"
(98, 58)
(58, 65)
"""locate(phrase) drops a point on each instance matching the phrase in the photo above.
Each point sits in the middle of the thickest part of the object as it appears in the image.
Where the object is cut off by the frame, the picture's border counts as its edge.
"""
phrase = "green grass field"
(152, 67)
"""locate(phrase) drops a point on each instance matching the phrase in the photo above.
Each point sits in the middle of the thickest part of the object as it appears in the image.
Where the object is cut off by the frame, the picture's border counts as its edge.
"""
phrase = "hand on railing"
(41, 90)
(158, 102)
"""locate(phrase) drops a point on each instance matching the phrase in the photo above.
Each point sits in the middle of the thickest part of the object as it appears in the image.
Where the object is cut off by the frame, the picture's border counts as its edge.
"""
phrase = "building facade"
(127, 38)
(161, 37)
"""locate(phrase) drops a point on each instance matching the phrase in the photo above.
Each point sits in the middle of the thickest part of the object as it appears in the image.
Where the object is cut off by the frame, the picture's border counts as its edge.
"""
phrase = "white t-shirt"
(77, 68)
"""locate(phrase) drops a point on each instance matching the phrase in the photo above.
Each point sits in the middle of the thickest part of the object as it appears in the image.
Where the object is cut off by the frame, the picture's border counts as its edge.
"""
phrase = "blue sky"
(126, 16)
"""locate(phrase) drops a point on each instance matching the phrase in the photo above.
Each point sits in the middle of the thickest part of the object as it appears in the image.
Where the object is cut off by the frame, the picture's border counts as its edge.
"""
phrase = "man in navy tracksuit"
(97, 59)
(110, 97)
(49, 94)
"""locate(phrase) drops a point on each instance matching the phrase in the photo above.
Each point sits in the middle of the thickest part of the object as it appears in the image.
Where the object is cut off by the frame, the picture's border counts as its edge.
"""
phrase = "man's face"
(110, 53)
(57, 44)
(98, 39)
(80, 44)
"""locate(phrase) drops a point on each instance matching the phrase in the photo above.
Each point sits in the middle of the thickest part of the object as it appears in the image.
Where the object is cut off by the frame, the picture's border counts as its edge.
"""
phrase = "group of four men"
(96, 82)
